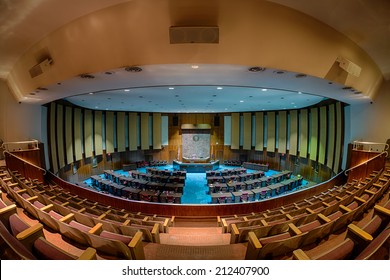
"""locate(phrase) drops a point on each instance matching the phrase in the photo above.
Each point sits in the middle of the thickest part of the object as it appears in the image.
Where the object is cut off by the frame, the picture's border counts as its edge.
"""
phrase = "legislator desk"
(170, 197)
(221, 198)
(131, 193)
(242, 196)
(195, 167)
(217, 187)
(196, 160)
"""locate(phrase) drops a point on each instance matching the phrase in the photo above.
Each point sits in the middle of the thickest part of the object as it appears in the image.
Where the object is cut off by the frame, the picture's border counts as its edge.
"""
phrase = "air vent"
(298, 76)
(40, 68)
(41, 88)
(347, 88)
(279, 72)
(256, 69)
(108, 73)
(133, 69)
(87, 76)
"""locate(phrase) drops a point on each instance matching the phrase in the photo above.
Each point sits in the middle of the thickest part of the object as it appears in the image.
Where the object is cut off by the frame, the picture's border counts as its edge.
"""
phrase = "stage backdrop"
(196, 143)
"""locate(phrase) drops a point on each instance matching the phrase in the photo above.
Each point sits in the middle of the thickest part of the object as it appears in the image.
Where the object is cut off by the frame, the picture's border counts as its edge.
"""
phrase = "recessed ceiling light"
(96, 107)
(127, 90)
(299, 92)
(171, 88)
(219, 87)
(91, 93)
(241, 101)
(264, 89)
(194, 66)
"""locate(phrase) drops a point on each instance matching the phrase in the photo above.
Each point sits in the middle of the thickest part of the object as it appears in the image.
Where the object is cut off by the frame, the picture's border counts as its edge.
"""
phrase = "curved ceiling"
(23, 23)
(175, 88)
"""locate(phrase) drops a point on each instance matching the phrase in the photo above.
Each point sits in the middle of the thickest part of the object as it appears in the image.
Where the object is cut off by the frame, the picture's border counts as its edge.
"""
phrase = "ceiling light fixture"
(219, 88)
(127, 90)
(264, 89)
(194, 66)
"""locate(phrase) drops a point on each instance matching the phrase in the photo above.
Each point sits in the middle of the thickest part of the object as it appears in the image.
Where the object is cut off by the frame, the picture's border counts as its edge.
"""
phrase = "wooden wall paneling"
(235, 144)
(303, 134)
(78, 134)
(271, 132)
(157, 131)
(110, 132)
(293, 133)
(98, 133)
(53, 138)
(133, 132)
(247, 137)
(69, 134)
(144, 131)
(339, 137)
(323, 135)
(88, 133)
(282, 132)
(331, 136)
(60, 135)
(313, 133)
(259, 131)
(121, 131)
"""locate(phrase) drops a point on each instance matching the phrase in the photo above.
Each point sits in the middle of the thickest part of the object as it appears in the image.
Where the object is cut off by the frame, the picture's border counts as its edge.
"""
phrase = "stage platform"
(193, 167)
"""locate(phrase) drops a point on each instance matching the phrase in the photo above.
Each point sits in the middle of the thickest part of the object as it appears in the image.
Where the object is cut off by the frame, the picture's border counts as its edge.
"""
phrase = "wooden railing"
(29, 170)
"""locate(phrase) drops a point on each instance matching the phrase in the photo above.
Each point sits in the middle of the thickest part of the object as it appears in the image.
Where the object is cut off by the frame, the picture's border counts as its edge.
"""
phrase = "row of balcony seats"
(277, 232)
(111, 232)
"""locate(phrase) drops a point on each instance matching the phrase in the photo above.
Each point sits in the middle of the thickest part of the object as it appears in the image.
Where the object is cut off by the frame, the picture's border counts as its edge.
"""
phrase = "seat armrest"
(67, 218)
(299, 254)
(234, 234)
(136, 247)
(224, 226)
(156, 233)
(165, 225)
(47, 208)
(293, 229)
(358, 235)
(324, 218)
(97, 229)
(380, 210)
(88, 254)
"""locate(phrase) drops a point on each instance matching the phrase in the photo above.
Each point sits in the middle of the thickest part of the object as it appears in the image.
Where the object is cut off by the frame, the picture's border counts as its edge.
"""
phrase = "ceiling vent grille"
(133, 69)
(87, 76)
(256, 69)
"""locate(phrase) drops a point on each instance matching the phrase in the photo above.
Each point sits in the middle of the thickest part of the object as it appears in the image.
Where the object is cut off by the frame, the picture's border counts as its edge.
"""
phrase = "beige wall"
(18, 122)
(372, 122)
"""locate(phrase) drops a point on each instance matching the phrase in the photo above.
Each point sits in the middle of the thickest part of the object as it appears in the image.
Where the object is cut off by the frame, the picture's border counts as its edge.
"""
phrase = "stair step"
(194, 240)
(195, 231)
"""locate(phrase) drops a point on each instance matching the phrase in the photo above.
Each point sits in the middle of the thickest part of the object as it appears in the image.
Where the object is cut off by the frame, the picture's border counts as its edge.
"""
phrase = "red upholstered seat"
(124, 238)
(273, 238)
(309, 226)
(335, 215)
(47, 251)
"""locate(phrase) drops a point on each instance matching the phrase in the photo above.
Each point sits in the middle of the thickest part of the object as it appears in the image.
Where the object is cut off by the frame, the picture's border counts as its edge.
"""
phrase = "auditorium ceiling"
(196, 88)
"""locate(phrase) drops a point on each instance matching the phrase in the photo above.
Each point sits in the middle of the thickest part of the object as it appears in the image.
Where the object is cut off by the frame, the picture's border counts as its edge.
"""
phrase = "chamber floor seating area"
(354, 217)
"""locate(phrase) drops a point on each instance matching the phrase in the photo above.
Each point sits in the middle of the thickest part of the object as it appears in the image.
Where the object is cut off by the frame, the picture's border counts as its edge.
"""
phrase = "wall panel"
(235, 131)
(69, 134)
(293, 133)
(133, 132)
(60, 136)
(121, 131)
(313, 133)
(110, 132)
(271, 132)
(53, 138)
(157, 131)
(98, 133)
(303, 135)
(259, 131)
(78, 134)
(339, 137)
(282, 132)
(247, 133)
(331, 136)
(88, 136)
(144, 131)
(323, 135)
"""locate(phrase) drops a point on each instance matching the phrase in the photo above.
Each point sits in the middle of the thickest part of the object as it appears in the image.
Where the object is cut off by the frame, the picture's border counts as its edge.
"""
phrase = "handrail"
(36, 142)
(363, 163)
(356, 143)
(25, 161)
